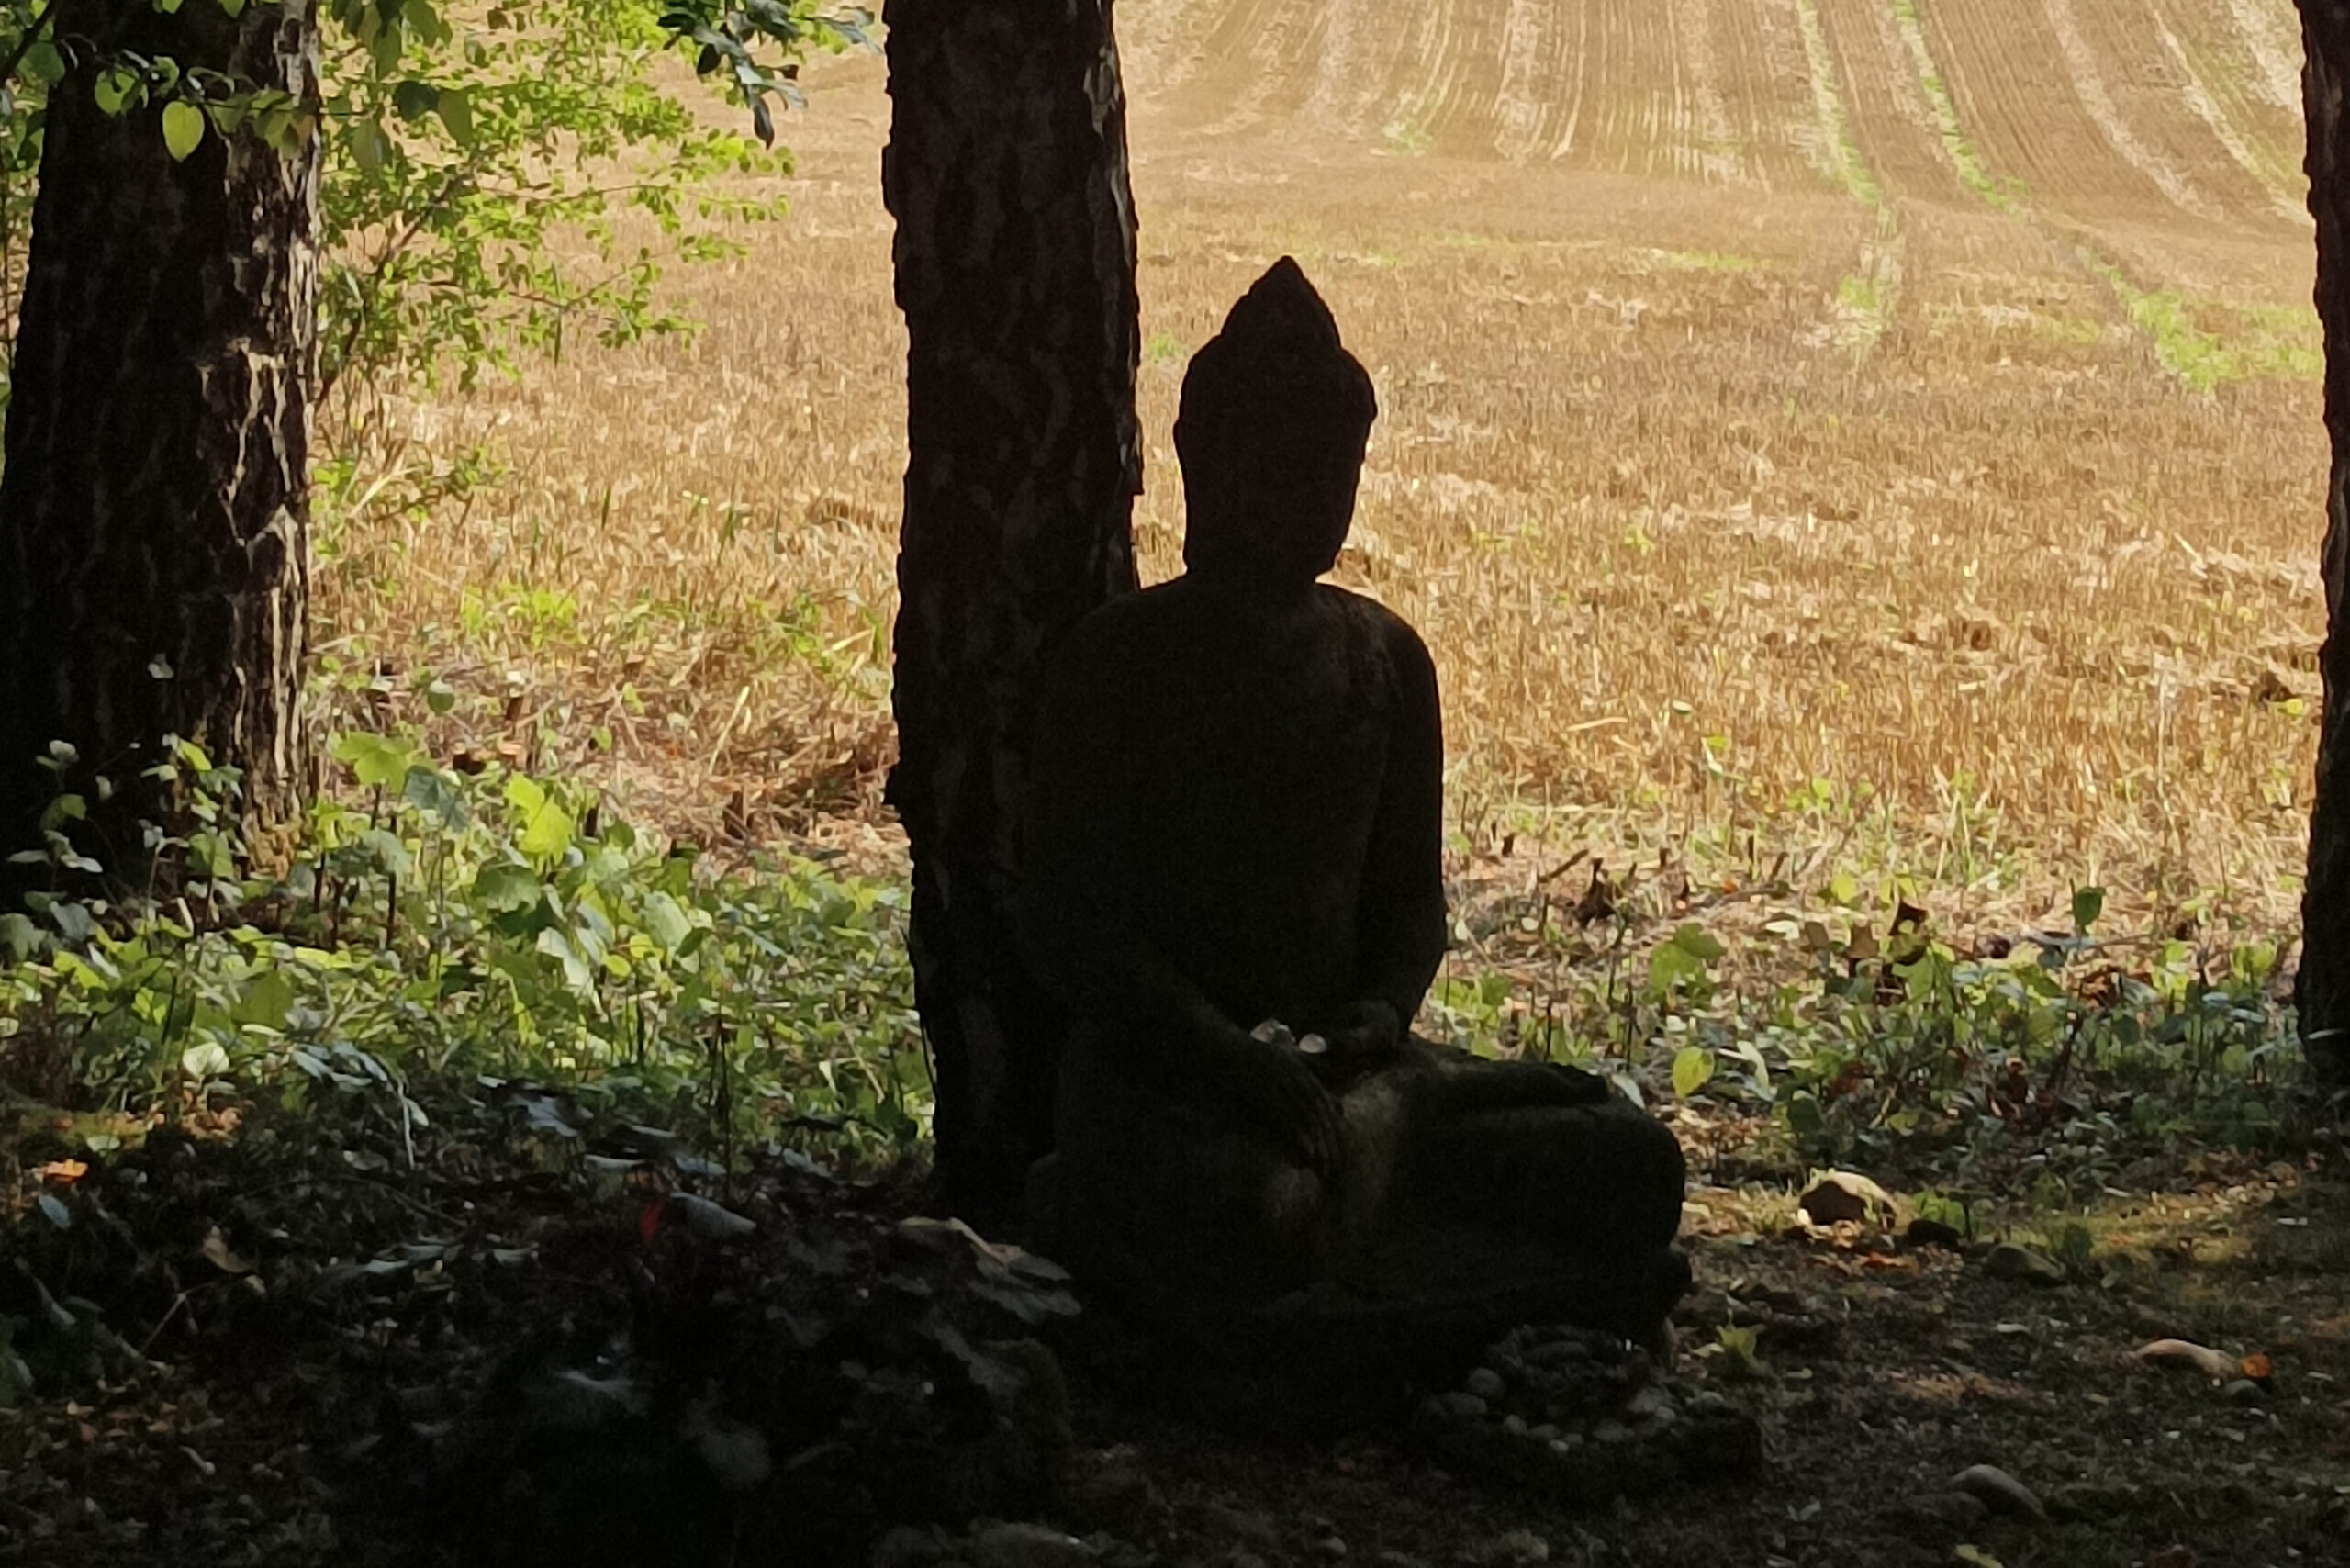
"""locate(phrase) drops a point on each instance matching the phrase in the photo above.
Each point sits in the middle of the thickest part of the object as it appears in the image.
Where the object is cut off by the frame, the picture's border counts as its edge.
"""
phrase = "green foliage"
(482, 927)
(471, 172)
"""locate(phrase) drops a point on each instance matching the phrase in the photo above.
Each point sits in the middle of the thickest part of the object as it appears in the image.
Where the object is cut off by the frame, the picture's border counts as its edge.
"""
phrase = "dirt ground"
(292, 1401)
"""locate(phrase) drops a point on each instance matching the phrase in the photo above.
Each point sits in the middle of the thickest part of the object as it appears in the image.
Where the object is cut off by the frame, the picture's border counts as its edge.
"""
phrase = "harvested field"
(1853, 427)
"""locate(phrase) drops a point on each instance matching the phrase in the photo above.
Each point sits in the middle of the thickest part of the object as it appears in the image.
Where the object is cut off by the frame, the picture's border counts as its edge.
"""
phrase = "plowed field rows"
(1884, 428)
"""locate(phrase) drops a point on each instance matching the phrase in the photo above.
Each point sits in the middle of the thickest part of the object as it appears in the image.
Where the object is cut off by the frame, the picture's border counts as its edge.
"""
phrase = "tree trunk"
(154, 517)
(1006, 172)
(2322, 989)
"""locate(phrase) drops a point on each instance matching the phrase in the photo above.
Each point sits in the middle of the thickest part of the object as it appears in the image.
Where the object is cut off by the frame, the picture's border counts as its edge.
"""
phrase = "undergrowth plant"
(477, 930)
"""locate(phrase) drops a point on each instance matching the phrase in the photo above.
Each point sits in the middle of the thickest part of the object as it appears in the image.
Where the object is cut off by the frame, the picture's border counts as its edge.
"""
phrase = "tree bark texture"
(2322, 989)
(1006, 172)
(153, 515)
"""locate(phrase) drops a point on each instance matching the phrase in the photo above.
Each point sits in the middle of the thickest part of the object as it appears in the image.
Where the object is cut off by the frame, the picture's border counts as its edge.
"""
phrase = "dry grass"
(1985, 594)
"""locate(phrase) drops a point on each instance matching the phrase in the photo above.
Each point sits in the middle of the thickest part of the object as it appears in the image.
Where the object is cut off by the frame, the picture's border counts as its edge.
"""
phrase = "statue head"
(1275, 417)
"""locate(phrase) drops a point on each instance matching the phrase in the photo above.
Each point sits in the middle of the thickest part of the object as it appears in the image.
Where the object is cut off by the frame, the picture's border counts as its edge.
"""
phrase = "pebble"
(1514, 1424)
(906, 1547)
(1999, 1492)
(2244, 1391)
(1557, 1351)
(1546, 1431)
(1611, 1431)
(1026, 1546)
(1951, 1510)
(1256, 1529)
(1653, 1404)
(1484, 1382)
(1469, 1407)
(2009, 1261)
(1518, 1549)
(1330, 1547)
(1708, 1404)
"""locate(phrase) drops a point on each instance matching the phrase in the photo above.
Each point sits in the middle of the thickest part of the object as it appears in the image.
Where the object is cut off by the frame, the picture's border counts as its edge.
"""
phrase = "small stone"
(1999, 1492)
(1399, 1560)
(1546, 1431)
(1709, 1403)
(1484, 1382)
(1467, 1406)
(1558, 1351)
(1611, 1431)
(2244, 1391)
(1026, 1546)
(1517, 1548)
(1651, 1404)
(1514, 1424)
(2009, 1261)
(906, 1547)
(1330, 1548)
(1257, 1530)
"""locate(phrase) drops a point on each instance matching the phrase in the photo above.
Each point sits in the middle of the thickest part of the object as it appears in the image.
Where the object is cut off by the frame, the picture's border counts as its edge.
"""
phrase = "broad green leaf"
(43, 62)
(206, 1060)
(547, 832)
(182, 129)
(378, 761)
(665, 920)
(2088, 905)
(413, 99)
(505, 886)
(1699, 943)
(266, 1002)
(456, 110)
(1692, 1069)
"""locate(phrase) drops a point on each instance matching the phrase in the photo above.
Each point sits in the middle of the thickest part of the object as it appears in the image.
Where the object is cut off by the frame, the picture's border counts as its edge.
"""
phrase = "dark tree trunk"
(1015, 255)
(2321, 991)
(153, 519)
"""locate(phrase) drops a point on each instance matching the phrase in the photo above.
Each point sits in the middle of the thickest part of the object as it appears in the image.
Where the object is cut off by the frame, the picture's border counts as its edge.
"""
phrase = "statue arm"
(1400, 927)
(1079, 885)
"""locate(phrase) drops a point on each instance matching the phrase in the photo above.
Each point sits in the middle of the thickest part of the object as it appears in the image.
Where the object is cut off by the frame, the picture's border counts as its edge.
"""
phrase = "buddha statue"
(1232, 880)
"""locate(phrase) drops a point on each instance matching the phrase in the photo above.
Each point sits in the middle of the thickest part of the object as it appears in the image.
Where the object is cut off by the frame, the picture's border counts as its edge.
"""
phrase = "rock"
(1709, 1403)
(997, 1545)
(1468, 1406)
(1844, 1195)
(1114, 1497)
(1611, 1431)
(1257, 1530)
(1952, 1511)
(1517, 1548)
(1999, 1492)
(1546, 1431)
(907, 1547)
(1514, 1424)
(2244, 1391)
(2009, 1261)
(1484, 1382)
(1651, 1404)
(1330, 1549)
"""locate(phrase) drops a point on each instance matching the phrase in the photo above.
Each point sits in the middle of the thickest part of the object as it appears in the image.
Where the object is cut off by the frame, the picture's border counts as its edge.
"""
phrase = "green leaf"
(379, 761)
(414, 100)
(2088, 905)
(43, 64)
(505, 886)
(1691, 1069)
(206, 1060)
(546, 832)
(182, 129)
(665, 920)
(1699, 942)
(266, 1002)
(457, 110)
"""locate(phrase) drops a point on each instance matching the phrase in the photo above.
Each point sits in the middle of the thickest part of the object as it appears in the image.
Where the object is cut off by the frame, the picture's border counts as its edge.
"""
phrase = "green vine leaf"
(182, 129)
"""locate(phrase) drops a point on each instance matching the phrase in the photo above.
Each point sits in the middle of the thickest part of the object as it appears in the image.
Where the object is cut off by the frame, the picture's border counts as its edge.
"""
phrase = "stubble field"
(1842, 435)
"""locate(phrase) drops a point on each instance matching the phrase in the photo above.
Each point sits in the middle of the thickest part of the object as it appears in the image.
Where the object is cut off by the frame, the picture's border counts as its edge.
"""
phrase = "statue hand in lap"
(1235, 818)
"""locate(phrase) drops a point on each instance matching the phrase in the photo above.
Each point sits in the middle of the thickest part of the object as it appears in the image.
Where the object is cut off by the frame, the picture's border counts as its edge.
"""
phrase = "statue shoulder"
(1381, 630)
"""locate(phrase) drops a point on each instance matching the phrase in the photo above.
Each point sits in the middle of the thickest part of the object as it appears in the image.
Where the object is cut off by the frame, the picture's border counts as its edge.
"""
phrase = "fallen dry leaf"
(64, 1173)
(217, 1253)
(2186, 1354)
